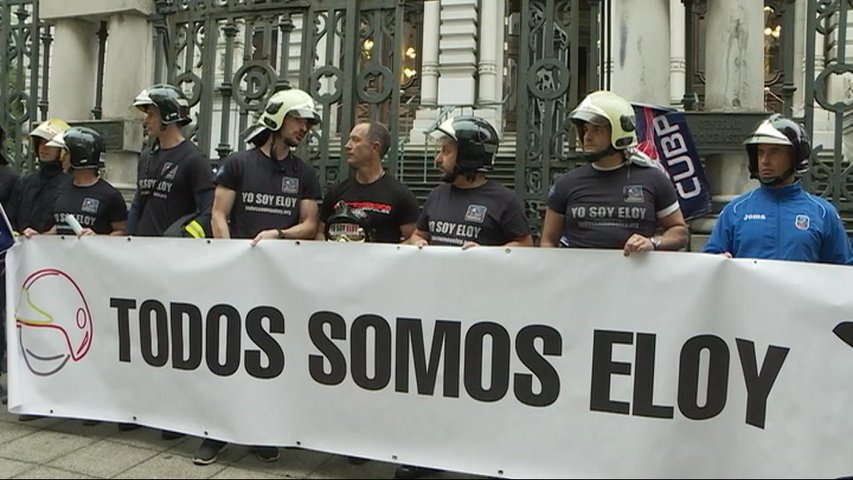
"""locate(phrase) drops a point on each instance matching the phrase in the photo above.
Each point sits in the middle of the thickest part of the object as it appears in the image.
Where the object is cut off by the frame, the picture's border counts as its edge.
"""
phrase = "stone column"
(800, 57)
(491, 62)
(128, 68)
(426, 114)
(73, 66)
(128, 32)
(458, 48)
(677, 66)
(734, 82)
(640, 51)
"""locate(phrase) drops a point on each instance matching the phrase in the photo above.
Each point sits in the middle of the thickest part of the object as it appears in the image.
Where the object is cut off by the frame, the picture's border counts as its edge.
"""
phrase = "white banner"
(516, 363)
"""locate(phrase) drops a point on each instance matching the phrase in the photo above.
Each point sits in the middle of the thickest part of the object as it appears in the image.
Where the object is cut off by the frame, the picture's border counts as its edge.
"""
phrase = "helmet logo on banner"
(53, 321)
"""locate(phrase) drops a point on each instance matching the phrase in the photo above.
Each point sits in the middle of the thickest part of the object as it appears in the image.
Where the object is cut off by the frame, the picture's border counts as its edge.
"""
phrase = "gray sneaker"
(266, 454)
(208, 451)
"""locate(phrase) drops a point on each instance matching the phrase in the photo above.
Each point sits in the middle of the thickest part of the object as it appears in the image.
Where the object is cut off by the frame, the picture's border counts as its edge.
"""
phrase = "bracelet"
(280, 233)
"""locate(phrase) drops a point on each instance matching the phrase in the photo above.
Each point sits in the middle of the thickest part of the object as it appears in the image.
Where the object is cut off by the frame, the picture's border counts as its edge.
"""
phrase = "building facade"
(521, 64)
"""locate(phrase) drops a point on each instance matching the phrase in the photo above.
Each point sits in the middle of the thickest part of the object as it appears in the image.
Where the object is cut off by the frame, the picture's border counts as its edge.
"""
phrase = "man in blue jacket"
(779, 220)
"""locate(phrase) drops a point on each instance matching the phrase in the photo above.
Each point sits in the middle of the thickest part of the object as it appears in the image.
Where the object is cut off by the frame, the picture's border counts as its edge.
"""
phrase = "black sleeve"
(329, 202)
(312, 189)
(134, 214)
(665, 193)
(117, 211)
(408, 209)
(13, 207)
(231, 173)
(423, 219)
(558, 196)
(513, 220)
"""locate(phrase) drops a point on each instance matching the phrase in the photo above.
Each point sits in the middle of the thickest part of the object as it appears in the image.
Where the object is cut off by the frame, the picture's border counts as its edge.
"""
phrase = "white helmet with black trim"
(778, 130)
(292, 102)
(169, 99)
(476, 144)
(605, 108)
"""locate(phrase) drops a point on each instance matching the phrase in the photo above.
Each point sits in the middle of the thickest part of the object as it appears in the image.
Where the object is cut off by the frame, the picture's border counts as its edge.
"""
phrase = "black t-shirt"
(603, 208)
(386, 202)
(96, 206)
(268, 191)
(489, 215)
(167, 182)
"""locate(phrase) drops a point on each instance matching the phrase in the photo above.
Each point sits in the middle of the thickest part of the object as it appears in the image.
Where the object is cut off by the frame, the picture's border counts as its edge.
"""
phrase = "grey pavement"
(65, 448)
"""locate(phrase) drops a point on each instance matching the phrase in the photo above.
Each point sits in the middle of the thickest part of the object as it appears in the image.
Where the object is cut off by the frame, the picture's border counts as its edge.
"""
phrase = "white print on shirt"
(455, 229)
(268, 200)
(602, 211)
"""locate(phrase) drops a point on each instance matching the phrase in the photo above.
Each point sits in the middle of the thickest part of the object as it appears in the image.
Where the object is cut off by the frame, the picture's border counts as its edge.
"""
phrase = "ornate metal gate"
(558, 61)
(24, 69)
(829, 63)
(231, 55)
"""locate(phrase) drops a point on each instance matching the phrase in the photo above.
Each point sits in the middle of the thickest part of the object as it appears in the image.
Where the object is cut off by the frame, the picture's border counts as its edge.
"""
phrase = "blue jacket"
(784, 223)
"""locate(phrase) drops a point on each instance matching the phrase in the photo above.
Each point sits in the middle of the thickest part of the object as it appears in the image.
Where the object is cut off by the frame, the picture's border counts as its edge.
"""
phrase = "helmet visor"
(57, 141)
(590, 117)
(768, 133)
(308, 114)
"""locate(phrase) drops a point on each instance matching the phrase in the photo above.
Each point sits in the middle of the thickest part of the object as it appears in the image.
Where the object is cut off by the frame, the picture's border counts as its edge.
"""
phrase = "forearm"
(219, 224)
(521, 242)
(321, 232)
(133, 215)
(418, 238)
(674, 238)
(305, 230)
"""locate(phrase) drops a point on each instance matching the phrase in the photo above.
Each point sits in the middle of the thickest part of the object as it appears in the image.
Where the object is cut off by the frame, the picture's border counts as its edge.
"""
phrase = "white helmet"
(293, 102)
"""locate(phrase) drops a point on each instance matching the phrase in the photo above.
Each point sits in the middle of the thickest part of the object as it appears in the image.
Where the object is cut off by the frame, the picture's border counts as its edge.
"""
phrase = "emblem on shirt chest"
(476, 213)
(802, 222)
(633, 193)
(290, 185)
(90, 205)
(169, 171)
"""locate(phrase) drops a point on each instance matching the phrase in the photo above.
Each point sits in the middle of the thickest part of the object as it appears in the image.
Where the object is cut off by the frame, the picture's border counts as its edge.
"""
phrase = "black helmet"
(778, 130)
(348, 224)
(85, 147)
(169, 99)
(476, 142)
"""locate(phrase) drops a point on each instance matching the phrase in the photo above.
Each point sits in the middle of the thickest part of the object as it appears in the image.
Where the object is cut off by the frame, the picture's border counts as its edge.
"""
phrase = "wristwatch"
(655, 243)
(280, 233)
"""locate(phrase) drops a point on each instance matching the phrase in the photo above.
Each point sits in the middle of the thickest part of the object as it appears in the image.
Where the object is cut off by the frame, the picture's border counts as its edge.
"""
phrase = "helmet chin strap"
(776, 181)
(451, 176)
(596, 156)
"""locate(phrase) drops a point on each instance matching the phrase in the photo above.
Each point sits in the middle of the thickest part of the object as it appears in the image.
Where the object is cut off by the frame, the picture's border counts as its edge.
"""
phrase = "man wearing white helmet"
(33, 197)
(30, 205)
(174, 181)
(779, 220)
(268, 192)
(618, 200)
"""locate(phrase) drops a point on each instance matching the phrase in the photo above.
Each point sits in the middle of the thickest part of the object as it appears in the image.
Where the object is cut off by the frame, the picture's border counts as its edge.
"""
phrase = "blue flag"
(6, 237)
(663, 136)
